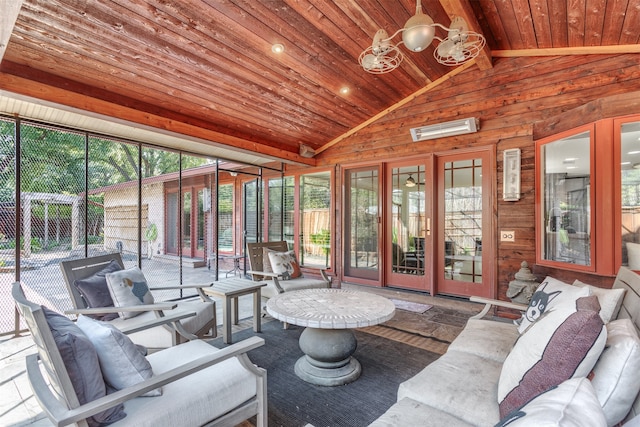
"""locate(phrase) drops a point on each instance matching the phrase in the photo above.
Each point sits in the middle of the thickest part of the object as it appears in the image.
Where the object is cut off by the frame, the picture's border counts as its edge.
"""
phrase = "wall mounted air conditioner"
(440, 130)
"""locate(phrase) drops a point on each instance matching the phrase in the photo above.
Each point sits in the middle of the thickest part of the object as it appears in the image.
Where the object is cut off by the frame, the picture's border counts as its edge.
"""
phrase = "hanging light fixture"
(460, 45)
(410, 182)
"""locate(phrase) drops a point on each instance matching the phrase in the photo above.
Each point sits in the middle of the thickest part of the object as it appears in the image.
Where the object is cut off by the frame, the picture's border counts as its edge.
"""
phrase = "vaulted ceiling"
(205, 68)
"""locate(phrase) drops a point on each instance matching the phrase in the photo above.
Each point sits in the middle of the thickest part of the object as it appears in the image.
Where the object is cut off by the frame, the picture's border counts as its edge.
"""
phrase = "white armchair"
(192, 318)
(201, 385)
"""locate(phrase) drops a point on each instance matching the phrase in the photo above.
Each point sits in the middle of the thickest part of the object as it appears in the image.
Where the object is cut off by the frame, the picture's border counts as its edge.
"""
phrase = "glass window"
(315, 219)
(630, 194)
(361, 227)
(463, 220)
(225, 218)
(566, 199)
(288, 210)
(253, 221)
(408, 220)
(276, 200)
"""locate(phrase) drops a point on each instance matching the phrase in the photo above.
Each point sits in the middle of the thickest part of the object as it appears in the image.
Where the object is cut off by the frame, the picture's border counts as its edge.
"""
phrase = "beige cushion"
(408, 412)
(439, 386)
(486, 338)
(616, 376)
(573, 403)
(161, 337)
(551, 292)
(193, 400)
(610, 300)
(564, 343)
(128, 288)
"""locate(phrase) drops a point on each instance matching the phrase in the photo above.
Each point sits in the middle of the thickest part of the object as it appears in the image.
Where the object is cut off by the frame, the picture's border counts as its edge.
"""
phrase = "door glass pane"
(186, 223)
(225, 218)
(566, 182)
(275, 217)
(408, 220)
(172, 222)
(630, 171)
(252, 212)
(289, 208)
(362, 224)
(315, 219)
(200, 219)
(463, 220)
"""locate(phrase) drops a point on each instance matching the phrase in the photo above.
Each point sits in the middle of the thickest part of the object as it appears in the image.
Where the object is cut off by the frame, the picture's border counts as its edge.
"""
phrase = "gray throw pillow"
(121, 362)
(95, 292)
(81, 361)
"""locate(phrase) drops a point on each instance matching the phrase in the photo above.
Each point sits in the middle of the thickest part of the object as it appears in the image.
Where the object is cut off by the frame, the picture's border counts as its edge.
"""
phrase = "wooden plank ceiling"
(208, 64)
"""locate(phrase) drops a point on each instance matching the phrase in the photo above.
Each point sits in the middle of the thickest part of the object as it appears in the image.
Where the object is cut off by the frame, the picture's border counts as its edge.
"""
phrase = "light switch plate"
(507, 236)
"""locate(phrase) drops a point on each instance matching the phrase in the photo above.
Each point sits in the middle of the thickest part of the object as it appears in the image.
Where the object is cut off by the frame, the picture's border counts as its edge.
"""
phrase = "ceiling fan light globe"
(418, 32)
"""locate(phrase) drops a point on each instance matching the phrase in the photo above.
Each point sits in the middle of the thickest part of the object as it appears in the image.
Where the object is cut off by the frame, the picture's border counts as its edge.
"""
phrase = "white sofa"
(461, 388)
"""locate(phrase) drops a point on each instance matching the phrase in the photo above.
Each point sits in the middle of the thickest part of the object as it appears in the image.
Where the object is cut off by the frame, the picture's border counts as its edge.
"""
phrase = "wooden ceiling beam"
(463, 9)
(577, 50)
(22, 86)
(9, 10)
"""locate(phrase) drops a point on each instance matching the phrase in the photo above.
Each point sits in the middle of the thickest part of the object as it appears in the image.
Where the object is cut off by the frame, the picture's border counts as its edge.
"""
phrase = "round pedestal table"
(328, 342)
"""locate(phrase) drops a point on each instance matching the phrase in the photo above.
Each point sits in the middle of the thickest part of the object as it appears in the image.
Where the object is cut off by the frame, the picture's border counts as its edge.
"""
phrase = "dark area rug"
(295, 403)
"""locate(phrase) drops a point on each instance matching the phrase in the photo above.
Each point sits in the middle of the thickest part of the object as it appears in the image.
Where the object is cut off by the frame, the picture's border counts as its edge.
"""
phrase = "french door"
(423, 225)
(407, 225)
(362, 225)
(464, 206)
(190, 232)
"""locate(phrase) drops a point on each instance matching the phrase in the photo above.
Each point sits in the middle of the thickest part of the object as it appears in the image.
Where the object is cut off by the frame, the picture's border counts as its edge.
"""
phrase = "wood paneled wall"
(510, 99)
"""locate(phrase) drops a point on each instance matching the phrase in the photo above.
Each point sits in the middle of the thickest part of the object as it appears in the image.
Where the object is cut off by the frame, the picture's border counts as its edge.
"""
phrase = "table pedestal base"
(327, 360)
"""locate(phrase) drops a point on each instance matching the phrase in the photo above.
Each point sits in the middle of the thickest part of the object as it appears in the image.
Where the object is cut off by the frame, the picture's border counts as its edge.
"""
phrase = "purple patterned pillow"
(564, 343)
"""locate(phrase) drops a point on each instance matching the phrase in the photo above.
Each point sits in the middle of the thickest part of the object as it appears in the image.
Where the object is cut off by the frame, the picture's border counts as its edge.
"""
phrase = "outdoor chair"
(260, 269)
(88, 274)
(406, 262)
(190, 384)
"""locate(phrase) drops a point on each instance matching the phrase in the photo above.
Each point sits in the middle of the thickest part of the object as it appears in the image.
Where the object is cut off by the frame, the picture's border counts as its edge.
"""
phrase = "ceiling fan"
(460, 45)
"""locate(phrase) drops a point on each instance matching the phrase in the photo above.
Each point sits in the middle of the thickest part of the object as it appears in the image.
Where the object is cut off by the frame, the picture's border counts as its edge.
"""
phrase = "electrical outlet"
(507, 236)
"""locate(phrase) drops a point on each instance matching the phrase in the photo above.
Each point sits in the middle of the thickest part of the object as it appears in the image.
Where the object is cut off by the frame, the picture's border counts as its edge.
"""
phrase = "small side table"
(236, 270)
(230, 289)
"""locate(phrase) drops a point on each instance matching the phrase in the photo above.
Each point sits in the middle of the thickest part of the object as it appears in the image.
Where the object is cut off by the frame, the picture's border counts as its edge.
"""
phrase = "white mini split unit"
(440, 130)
